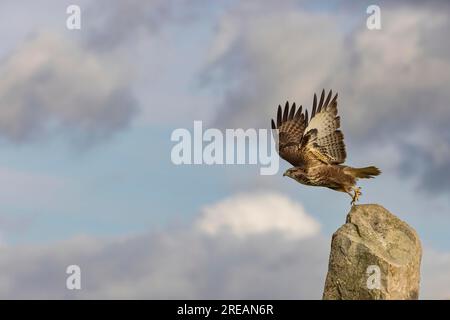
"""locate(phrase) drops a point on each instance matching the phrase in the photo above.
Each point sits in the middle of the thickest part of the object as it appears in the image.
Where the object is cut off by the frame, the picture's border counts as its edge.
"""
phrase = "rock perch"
(375, 255)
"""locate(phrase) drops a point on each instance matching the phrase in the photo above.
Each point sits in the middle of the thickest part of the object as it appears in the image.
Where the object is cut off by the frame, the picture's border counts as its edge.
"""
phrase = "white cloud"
(178, 263)
(252, 214)
(51, 84)
(187, 264)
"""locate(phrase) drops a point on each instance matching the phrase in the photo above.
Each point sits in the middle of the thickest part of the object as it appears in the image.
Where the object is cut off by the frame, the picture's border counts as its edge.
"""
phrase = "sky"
(86, 118)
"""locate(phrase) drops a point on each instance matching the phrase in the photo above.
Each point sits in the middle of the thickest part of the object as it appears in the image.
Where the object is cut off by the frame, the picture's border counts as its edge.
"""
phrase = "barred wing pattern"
(319, 141)
(291, 126)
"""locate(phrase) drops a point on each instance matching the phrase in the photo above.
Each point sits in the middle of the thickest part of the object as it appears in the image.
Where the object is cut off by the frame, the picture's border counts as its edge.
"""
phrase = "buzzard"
(315, 147)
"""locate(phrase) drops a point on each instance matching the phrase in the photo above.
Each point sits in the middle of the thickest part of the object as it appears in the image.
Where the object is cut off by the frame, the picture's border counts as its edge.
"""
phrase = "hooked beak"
(284, 174)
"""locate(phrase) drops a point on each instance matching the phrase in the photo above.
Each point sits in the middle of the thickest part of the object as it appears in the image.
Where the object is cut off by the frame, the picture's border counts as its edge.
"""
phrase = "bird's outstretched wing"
(323, 139)
(303, 142)
(291, 126)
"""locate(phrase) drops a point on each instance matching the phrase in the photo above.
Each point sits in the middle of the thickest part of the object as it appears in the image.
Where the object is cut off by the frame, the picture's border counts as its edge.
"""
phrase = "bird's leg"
(359, 193)
(356, 194)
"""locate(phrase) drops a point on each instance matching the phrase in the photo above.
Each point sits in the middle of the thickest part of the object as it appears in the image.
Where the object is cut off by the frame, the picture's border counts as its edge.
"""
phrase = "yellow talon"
(357, 193)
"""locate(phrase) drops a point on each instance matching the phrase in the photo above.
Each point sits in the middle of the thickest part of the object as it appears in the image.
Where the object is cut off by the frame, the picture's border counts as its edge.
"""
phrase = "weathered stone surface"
(373, 240)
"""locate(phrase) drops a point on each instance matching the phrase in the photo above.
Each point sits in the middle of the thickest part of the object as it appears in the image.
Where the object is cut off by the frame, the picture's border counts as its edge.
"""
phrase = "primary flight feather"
(315, 147)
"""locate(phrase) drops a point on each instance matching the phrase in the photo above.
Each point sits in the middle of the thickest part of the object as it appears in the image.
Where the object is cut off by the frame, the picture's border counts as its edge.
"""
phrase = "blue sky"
(86, 118)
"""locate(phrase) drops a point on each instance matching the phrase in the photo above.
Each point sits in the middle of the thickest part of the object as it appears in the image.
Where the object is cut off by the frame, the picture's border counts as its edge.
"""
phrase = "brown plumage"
(315, 147)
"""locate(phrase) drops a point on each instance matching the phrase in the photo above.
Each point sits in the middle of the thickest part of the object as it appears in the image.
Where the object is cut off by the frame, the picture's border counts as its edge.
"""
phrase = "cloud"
(191, 264)
(265, 55)
(52, 85)
(37, 188)
(179, 263)
(118, 23)
(169, 266)
(252, 214)
(392, 83)
(435, 279)
(395, 76)
(397, 81)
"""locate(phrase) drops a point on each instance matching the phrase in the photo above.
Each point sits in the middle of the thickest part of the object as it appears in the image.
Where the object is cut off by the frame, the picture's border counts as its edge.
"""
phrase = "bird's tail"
(364, 173)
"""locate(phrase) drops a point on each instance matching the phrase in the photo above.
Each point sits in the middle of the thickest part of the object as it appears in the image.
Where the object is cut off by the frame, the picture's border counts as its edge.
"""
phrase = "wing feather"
(286, 110)
(291, 127)
(279, 116)
(292, 112)
(328, 139)
(321, 100)
(304, 141)
(299, 114)
(313, 112)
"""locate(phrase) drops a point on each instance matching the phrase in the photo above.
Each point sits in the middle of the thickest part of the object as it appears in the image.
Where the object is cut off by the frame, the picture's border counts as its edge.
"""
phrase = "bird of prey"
(315, 147)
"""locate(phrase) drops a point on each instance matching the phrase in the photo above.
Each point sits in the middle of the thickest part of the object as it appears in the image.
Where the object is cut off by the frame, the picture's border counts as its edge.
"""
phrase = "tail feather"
(364, 173)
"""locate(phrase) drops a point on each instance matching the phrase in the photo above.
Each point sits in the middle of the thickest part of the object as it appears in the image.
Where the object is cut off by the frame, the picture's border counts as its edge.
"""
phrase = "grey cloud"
(186, 265)
(114, 23)
(391, 82)
(431, 164)
(183, 265)
(272, 55)
(193, 262)
(50, 84)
